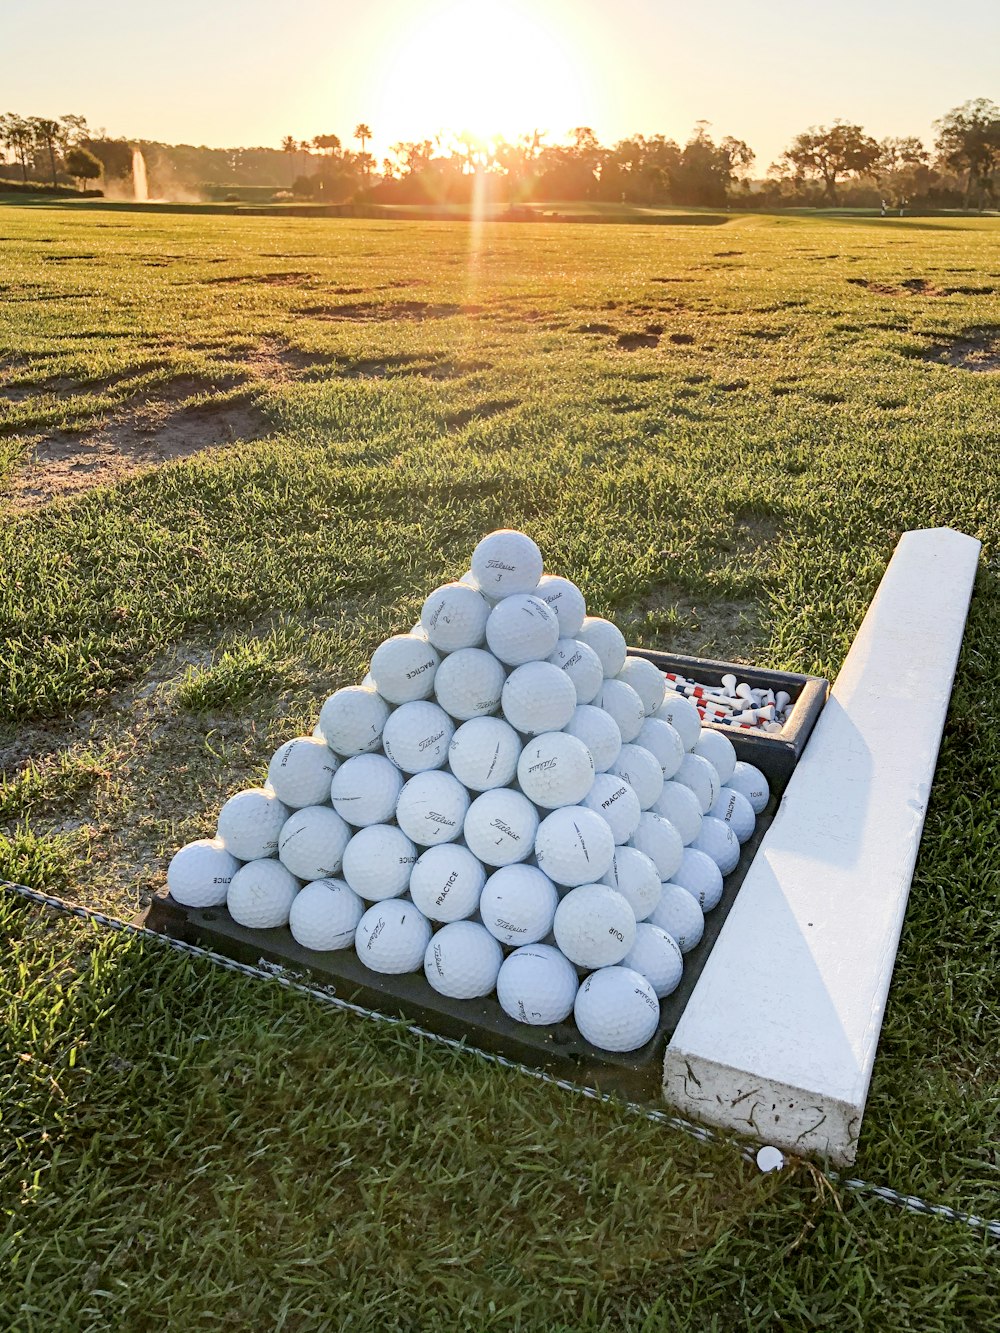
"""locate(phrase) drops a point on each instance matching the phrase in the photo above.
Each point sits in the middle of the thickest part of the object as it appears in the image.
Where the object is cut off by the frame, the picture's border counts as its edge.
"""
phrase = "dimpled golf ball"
(392, 937)
(565, 599)
(537, 985)
(736, 811)
(351, 720)
(454, 617)
(594, 926)
(700, 775)
(656, 956)
(613, 798)
(647, 681)
(555, 770)
(483, 753)
(301, 770)
(249, 823)
(717, 840)
(500, 827)
(468, 684)
(324, 915)
(702, 878)
(634, 876)
(200, 873)
(616, 1009)
(607, 641)
(719, 752)
(750, 782)
(312, 841)
(378, 861)
(641, 770)
(521, 629)
(582, 665)
(462, 960)
(506, 562)
(624, 705)
(683, 717)
(574, 846)
(518, 904)
(470, 582)
(681, 806)
(261, 895)
(416, 737)
(599, 732)
(446, 882)
(365, 789)
(403, 668)
(679, 915)
(538, 697)
(431, 808)
(660, 841)
(663, 740)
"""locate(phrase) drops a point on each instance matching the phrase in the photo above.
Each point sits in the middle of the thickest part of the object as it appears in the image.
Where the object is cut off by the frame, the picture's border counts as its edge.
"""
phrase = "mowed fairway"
(260, 443)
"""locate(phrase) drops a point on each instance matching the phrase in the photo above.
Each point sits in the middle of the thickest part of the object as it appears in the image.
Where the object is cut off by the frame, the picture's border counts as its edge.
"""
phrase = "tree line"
(836, 164)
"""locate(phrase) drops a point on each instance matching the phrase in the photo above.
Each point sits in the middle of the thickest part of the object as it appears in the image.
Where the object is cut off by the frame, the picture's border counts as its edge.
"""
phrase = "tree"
(706, 170)
(83, 165)
(326, 143)
(828, 154)
(74, 130)
(290, 146)
(901, 168)
(363, 132)
(51, 136)
(18, 136)
(968, 139)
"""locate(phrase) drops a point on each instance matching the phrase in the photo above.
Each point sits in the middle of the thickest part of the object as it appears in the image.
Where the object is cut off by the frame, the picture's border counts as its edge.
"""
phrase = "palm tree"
(290, 146)
(363, 132)
(16, 133)
(48, 134)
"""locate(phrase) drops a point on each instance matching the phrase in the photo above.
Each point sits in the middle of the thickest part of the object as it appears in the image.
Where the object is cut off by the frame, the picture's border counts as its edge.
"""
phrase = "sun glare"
(485, 68)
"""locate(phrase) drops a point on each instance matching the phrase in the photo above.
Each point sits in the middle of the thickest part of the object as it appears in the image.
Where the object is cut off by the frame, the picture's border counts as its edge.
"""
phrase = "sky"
(241, 72)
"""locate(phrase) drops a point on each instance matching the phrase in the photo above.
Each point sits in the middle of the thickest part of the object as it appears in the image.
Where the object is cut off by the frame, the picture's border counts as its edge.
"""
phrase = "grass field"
(234, 454)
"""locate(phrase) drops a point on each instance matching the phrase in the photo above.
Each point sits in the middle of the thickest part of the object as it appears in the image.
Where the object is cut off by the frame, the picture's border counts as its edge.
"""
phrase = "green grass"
(184, 1147)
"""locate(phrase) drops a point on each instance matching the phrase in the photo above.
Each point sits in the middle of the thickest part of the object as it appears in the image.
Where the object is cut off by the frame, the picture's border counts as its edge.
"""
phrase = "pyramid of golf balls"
(508, 801)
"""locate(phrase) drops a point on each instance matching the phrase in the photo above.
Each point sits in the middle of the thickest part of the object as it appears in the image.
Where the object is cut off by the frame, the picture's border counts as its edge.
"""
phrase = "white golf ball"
(574, 846)
(679, 915)
(681, 806)
(325, 915)
(462, 960)
(660, 841)
(365, 789)
(594, 926)
(616, 1009)
(446, 882)
(312, 841)
(736, 811)
(647, 681)
(607, 641)
(599, 732)
(613, 798)
(518, 904)
(700, 775)
(565, 599)
(392, 937)
(717, 840)
(624, 705)
(582, 665)
(702, 878)
(656, 955)
(249, 823)
(663, 740)
(634, 876)
(199, 874)
(500, 827)
(719, 752)
(537, 985)
(522, 629)
(506, 562)
(420, 633)
(261, 895)
(469, 580)
(301, 770)
(431, 808)
(555, 770)
(468, 683)
(403, 668)
(641, 770)
(750, 782)
(683, 716)
(483, 753)
(454, 617)
(416, 737)
(351, 720)
(378, 861)
(538, 697)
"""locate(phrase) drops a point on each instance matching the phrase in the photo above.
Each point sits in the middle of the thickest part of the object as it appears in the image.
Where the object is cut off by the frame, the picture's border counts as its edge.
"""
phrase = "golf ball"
(565, 599)
(719, 752)
(736, 811)
(365, 789)
(641, 770)
(462, 960)
(599, 732)
(446, 882)
(392, 937)
(681, 806)
(416, 737)
(261, 895)
(431, 808)
(378, 861)
(582, 665)
(518, 904)
(555, 770)
(656, 956)
(506, 562)
(750, 782)
(634, 876)
(702, 878)
(521, 629)
(574, 846)
(607, 641)
(683, 716)
(351, 720)
(538, 697)
(500, 827)
(537, 985)
(613, 798)
(454, 617)
(594, 926)
(312, 841)
(700, 775)
(679, 915)
(483, 753)
(249, 823)
(468, 683)
(717, 840)
(324, 915)
(663, 740)
(616, 1009)
(624, 705)
(301, 770)
(403, 668)
(199, 874)
(660, 841)
(647, 681)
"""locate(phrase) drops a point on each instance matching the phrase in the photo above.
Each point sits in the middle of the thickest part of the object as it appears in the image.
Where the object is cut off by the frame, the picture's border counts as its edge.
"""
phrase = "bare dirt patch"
(632, 342)
(596, 328)
(907, 287)
(681, 339)
(292, 278)
(978, 351)
(398, 310)
(277, 361)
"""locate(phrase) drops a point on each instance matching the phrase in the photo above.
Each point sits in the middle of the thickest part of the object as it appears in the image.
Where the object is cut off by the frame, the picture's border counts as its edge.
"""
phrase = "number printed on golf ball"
(506, 562)
(392, 937)
(555, 770)
(351, 720)
(518, 904)
(462, 960)
(454, 617)
(565, 599)
(500, 827)
(537, 985)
